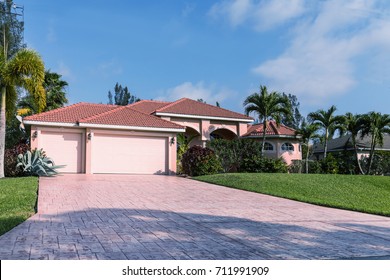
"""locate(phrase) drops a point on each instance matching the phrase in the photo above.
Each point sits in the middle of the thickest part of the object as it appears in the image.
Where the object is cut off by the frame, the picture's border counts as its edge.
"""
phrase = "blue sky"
(325, 52)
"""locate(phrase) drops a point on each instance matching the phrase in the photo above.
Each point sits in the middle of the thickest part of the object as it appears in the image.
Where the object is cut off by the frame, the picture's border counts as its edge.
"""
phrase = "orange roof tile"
(148, 106)
(271, 129)
(72, 113)
(126, 116)
(186, 106)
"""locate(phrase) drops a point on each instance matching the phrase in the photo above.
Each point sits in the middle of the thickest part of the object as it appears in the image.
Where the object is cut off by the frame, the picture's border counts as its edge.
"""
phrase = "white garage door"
(65, 148)
(128, 154)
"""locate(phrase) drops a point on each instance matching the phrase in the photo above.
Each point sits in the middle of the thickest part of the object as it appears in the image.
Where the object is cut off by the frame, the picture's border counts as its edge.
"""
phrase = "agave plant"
(36, 163)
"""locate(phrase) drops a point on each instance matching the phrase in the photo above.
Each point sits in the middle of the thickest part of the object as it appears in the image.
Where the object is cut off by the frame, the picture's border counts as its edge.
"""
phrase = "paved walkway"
(161, 217)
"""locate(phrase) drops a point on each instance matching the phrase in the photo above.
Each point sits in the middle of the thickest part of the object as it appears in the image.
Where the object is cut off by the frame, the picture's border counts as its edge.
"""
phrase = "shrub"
(232, 153)
(36, 163)
(380, 163)
(200, 161)
(10, 160)
(329, 165)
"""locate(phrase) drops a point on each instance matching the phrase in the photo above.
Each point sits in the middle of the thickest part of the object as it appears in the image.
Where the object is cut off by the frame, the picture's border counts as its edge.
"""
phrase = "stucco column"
(205, 129)
(242, 129)
(172, 148)
(88, 150)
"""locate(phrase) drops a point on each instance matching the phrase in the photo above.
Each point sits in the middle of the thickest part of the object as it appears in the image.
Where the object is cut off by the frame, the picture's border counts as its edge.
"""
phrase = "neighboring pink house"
(136, 139)
(281, 141)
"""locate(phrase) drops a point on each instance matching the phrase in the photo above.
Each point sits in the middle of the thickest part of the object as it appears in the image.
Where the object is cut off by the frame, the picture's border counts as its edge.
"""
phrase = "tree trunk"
(373, 139)
(357, 155)
(307, 159)
(326, 142)
(2, 131)
(264, 135)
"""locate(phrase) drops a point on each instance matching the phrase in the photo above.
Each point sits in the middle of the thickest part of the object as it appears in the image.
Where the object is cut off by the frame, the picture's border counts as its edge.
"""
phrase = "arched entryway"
(223, 133)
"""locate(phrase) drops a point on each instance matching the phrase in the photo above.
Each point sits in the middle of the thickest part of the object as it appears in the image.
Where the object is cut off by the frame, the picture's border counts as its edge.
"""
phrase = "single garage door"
(65, 148)
(129, 154)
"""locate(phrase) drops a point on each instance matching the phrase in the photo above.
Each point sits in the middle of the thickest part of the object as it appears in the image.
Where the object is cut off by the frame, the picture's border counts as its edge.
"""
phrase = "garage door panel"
(65, 148)
(128, 154)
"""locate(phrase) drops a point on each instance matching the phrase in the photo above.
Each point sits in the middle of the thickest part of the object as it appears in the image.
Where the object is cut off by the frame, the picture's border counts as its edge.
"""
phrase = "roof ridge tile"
(101, 114)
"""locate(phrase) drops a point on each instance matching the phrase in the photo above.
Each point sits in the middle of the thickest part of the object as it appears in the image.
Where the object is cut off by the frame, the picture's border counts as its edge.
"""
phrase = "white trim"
(50, 123)
(274, 136)
(202, 117)
(132, 127)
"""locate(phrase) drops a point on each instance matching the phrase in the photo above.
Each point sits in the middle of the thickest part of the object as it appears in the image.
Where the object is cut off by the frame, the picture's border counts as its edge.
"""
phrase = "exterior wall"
(288, 156)
(87, 143)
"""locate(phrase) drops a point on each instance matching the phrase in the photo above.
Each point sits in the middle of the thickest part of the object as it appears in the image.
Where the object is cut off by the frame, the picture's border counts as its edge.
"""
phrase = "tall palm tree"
(55, 95)
(328, 121)
(308, 131)
(24, 69)
(376, 125)
(353, 123)
(267, 105)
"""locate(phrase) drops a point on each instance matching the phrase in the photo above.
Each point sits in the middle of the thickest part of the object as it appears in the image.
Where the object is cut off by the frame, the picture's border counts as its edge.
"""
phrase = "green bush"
(244, 155)
(199, 161)
(329, 165)
(380, 163)
(10, 160)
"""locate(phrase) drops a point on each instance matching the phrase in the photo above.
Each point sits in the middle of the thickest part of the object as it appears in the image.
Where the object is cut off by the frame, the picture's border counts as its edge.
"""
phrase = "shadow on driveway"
(114, 233)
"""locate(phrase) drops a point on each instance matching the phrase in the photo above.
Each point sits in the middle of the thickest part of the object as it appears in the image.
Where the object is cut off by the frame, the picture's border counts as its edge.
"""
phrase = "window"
(287, 147)
(268, 146)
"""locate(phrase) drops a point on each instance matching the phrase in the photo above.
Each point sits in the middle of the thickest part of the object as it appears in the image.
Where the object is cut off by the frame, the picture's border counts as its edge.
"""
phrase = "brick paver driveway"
(162, 217)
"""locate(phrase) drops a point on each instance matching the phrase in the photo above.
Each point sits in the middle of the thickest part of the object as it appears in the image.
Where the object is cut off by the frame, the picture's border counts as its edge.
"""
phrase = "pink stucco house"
(141, 138)
(281, 141)
(138, 138)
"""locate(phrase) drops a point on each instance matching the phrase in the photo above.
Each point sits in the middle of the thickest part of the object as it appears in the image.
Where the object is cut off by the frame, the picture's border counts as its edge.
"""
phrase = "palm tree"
(376, 125)
(271, 105)
(24, 69)
(55, 95)
(308, 131)
(328, 121)
(353, 124)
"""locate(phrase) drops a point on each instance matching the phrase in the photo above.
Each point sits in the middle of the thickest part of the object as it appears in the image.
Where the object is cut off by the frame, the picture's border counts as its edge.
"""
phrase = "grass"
(369, 194)
(18, 197)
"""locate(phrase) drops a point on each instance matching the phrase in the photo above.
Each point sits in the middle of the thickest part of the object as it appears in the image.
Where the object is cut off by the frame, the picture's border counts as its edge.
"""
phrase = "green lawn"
(370, 194)
(17, 201)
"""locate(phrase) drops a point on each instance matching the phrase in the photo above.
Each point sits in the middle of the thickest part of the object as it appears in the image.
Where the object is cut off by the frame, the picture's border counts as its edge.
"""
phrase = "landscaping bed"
(18, 198)
(369, 194)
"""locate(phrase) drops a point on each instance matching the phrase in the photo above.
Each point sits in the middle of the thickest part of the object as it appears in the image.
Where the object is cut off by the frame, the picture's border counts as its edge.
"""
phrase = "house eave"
(61, 124)
(202, 117)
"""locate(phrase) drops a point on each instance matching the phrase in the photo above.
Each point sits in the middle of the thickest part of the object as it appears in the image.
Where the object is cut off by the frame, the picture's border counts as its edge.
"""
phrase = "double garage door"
(110, 153)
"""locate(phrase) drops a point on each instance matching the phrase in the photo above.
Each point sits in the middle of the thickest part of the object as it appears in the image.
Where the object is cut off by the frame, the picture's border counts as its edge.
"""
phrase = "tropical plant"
(267, 106)
(307, 132)
(25, 69)
(55, 95)
(329, 122)
(36, 163)
(376, 125)
(183, 144)
(353, 123)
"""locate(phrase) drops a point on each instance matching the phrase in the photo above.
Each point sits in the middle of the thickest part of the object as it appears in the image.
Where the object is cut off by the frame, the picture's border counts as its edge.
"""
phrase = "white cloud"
(320, 61)
(106, 69)
(209, 93)
(261, 14)
(65, 71)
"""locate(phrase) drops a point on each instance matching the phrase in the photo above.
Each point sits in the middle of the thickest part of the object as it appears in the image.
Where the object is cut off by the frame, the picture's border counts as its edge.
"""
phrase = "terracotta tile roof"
(186, 106)
(272, 129)
(148, 106)
(126, 116)
(72, 113)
